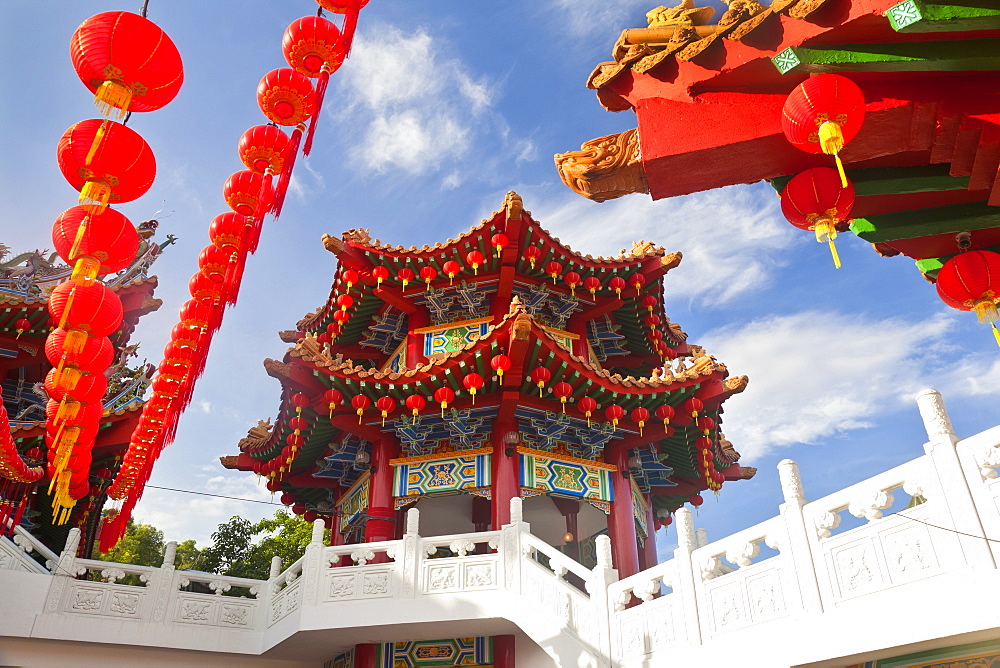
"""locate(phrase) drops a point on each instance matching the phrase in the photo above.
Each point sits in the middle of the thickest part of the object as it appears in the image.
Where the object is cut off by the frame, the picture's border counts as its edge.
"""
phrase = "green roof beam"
(948, 219)
(920, 16)
(931, 56)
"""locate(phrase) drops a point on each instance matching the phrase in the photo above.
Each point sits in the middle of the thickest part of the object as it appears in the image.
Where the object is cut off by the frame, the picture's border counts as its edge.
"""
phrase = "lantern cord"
(145, 6)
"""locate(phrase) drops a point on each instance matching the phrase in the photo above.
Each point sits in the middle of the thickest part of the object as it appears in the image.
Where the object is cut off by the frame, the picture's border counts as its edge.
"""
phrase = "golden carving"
(288, 335)
(150, 304)
(256, 436)
(747, 472)
(685, 14)
(736, 384)
(276, 369)
(671, 260)
(513, 205)
(359, 235)
(521, 331)
(229, 461)
(333, 244)
(604, 168)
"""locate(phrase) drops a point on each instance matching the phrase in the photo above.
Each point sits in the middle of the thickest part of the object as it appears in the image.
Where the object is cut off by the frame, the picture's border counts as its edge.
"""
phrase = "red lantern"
(533, 253)
(332, 397)
(385, 405)
(587, 406)
(246, 193)
(593, 284)
(341, 316)
(349, 277)
(816, 200)
(196, 314)
(500, 364)
(405, 275)
(109, 238)
(451, 268)
(380, 273)
(706, 424)
(428, 274)
(696, 500)
(473, 382)
(214, 263)
(563, 391)
(499, 242)
(444, 396)
(822, 114)
(226, 231)
(416, 403)
(262, 148)
(300, 400)
(89, 388)
(106, 162)
(127, 61)
(617, 283)
(312, 44)
(637, 281)
(93, 309)
(21, 325)
(649, 302)
(640, 415)
(96, 355)
(614, 413)
(693, 406)
(541, 376)
(286, 97)
(665, 413)
(572, 279)
(360, 403)
(345, 302)
(186, 336)
(970, 281)
(553, 269)
(475, 258)
(287, 499)
(341, 6)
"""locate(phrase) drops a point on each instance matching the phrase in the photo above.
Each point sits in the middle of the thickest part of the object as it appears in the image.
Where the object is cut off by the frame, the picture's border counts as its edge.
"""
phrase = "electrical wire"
(220, 496)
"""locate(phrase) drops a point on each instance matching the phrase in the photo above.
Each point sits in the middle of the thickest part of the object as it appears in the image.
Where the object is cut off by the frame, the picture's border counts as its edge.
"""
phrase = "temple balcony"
(900, 581)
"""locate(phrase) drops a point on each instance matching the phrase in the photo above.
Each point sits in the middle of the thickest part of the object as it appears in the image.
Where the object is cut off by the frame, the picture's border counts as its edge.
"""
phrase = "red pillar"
(364, 655)
(647, 553)
(381, 514)
(503, 652)
(506, 474)
(415, 342)
(621, 520)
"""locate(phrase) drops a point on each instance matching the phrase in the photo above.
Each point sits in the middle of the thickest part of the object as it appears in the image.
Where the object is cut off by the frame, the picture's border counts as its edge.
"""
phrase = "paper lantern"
(500, 364)
(405, 275)
(617, 283)
(96, 355)
(106, 162)
(93, 309)
(473, 382)
(381, 274)
(614, 413)
(649, 302)
(665, 413)
(533, 253)
(360, 403)
(592, 284)
(312, 45)
(822, 114)
(475, 259)
(451, 269)
(416, 403)
(637, 281)
(262, 148)
(444, 396)
(205, 289)
(332, 397)
(540, 376)
(349, 277)
(817, 200)
(341, 6)
(428, 274)
(553, 269)
(127, 61)
(572, 279)
(21, 325)
(385, 405)
(227, 230)
(640, 415)
(196, 314)
(970, 281)
(563, 391)
(286, 97)
(108, 237)
(345, 302)
(215, 263)
(693, 406)
(587, 406)
(696, 500)
(499, 242)
(246, 193)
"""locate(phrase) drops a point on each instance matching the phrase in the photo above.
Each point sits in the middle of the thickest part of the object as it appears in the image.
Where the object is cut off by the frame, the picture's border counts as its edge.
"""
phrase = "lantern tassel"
(286, 171)
(96, 143)
(350, 24)
(324, 79)
(840, 168)
(112, 99)
(833, 252)
(996, 333)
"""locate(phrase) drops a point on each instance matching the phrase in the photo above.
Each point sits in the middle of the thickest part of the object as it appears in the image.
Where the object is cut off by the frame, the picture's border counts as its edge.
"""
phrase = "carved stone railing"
(15, 553)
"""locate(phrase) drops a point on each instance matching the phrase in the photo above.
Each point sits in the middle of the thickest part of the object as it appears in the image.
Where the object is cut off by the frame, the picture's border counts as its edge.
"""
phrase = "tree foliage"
(142, 545)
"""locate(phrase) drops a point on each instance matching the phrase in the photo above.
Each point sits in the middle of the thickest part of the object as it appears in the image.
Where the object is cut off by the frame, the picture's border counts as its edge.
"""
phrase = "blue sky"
(443, 107)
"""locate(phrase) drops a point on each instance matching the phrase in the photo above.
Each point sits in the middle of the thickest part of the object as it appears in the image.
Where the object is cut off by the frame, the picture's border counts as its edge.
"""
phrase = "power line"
(220, 496)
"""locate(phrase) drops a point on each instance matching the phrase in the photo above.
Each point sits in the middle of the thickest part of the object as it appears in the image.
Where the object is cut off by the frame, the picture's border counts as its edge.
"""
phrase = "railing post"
(510, 546)
(275, 568)
(798, 551)
(313, 566)
(948, 486)
(685, 575)
(64, 570)
(163, 582)
(603, 576)
(410, 554)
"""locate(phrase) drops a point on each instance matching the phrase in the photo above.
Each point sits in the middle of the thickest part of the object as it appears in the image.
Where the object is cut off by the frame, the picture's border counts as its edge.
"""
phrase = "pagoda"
(924, 163)
(497, 365)
(26, 281)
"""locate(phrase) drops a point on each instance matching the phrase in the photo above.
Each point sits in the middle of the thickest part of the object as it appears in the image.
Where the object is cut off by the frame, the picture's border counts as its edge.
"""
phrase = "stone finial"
(516, 510)
(604, 552)
(275, 568)
(413, 521)
(169, 554)
(72, 544)
(319, 526)
(791, 482)
(685, 527)
(932, 411)
(701, 537)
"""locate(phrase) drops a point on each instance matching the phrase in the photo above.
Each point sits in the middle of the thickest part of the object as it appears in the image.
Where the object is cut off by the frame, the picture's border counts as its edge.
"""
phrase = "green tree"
(142, 545)
(236, 552)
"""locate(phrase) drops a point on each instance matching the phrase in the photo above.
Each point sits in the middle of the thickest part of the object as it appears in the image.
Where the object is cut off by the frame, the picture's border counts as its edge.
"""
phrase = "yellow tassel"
(68, 378)
(68, 409)
(94, 196)
(996, 333)
(986, 311)
(74, 342)
(826, 231)
(833, 252)
(96, 143)
(68, 306)
(113, 99)
(840, 169)
(85, 270)
(81, 231)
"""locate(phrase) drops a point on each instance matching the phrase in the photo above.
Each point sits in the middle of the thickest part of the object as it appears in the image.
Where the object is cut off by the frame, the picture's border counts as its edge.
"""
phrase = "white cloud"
(730, 237)
(595, 16)
(828, 373)
(412, 141)
(205, 406)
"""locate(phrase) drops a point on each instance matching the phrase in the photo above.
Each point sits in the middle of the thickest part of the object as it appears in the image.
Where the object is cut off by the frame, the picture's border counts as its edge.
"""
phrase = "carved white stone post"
(947, 488)
(510, 547)
(162, 582)
(275, 568)
(64, 571)
(600, 579)
(410, 555)
(313, 566)
(797, 548)
(686, 543)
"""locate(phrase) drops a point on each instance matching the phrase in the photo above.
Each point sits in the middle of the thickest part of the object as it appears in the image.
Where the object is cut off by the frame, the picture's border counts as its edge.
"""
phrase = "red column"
(415, 342)
(506, 473)
(364, 655)
(621, 520)
(381, 514)
(647, 554)
(503, 652)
